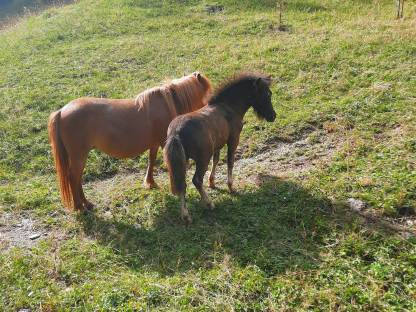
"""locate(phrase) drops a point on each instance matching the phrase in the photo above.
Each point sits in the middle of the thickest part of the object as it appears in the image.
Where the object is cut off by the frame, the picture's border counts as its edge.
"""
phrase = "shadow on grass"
(276, 226)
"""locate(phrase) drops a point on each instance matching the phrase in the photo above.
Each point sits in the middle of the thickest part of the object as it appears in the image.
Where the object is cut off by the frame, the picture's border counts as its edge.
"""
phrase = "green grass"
(345, 69)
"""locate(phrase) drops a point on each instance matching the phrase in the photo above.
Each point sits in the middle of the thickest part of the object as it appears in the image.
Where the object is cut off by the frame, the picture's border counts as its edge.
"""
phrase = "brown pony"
(201, 134)
(120, 128)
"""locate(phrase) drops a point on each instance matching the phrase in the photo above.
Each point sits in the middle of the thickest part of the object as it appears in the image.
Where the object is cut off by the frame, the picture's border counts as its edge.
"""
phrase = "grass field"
(345, 96)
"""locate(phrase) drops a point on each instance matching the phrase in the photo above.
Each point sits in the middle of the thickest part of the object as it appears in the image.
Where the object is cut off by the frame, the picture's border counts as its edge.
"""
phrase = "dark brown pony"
(201, 134)
(120, 128)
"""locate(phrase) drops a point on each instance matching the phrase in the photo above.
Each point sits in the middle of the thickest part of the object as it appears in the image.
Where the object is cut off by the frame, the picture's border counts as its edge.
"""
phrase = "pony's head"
(261, 100)
(245, 91)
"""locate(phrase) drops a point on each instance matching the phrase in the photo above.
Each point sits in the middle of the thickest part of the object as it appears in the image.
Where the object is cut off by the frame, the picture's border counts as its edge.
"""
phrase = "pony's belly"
(124, 151)
(125, 139)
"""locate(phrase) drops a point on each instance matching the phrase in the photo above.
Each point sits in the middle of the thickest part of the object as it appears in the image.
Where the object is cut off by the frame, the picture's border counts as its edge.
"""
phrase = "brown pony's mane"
(181, 95)
(237, 83)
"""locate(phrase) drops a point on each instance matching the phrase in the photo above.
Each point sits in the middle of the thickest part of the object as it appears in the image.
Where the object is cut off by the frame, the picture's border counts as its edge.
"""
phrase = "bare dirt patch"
(104, 192)
(19, 232)
(289, 158)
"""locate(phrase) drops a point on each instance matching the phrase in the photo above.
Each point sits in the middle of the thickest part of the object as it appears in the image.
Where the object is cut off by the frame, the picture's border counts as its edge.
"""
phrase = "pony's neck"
(198, 104)
(239, 107)
(237, 101)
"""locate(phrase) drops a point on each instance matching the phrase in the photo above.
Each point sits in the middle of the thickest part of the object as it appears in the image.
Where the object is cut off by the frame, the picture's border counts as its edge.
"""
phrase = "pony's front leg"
(87, 204)
(215, 160)
(232, 146)
(149, 182)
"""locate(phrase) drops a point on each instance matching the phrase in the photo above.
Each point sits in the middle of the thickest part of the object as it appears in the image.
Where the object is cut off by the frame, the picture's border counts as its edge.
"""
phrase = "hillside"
(345, 95)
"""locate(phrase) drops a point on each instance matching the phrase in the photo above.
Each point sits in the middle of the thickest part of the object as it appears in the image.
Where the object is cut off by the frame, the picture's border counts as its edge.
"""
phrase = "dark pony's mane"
(240, 84)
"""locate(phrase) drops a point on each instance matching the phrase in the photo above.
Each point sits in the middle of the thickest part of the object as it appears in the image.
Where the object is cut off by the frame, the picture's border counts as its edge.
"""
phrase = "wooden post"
(280, 4)
(400, 6)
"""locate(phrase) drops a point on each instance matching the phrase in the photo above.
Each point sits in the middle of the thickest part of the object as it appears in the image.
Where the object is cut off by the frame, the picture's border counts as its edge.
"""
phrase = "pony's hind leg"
(215, 160)
(149, 182)
(198, 179)
(75, 182)
(87, 204)
(77, 164)
(184, 211)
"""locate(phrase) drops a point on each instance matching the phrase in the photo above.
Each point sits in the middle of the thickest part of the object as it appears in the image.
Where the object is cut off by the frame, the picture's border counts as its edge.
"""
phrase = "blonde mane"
(181, 95)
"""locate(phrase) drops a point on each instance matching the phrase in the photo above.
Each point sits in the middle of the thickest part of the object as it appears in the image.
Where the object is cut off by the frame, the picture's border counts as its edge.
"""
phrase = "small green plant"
(281, 6)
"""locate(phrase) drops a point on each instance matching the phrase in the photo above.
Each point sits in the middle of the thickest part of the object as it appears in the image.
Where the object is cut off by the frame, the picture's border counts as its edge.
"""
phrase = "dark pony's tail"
(60, 156)
(175, 159)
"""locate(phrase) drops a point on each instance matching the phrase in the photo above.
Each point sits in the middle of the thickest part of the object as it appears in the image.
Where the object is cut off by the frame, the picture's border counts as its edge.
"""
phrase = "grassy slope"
(345, 68)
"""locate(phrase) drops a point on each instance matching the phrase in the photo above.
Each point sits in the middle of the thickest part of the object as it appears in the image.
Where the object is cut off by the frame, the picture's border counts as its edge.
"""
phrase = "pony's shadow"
(275, 226)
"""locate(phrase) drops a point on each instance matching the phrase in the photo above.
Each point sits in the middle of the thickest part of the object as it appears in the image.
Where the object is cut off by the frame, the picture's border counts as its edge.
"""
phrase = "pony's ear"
(257, 83)
(198, 75)
(268, 80)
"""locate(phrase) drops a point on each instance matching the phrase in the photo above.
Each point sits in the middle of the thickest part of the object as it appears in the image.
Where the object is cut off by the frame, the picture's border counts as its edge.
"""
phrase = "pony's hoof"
(231, 189)
(83, 212)
(211, 205)
(79, 208)
(150, 185)
(212, 185)
(234, 192)
(89, 206)
(187, 219)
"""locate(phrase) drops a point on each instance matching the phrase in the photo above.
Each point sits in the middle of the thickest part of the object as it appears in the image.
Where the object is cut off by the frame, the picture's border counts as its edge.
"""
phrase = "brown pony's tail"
(175, 159)
(60, 156)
